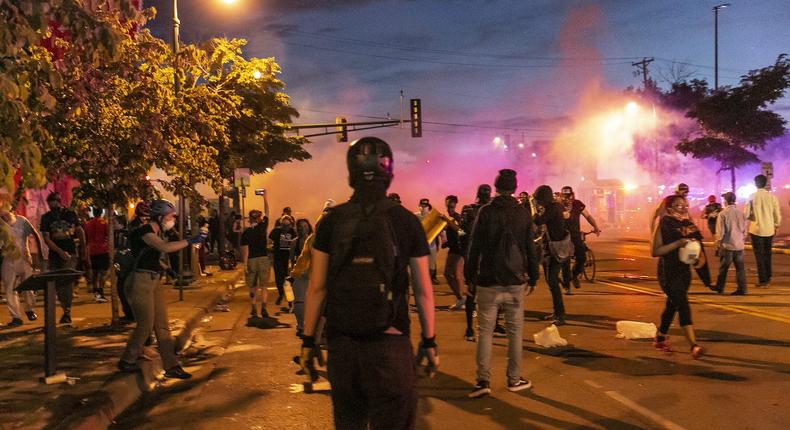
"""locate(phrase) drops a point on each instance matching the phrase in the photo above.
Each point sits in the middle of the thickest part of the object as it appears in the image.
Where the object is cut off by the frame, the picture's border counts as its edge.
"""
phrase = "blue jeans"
(489, 299)
(727, 257)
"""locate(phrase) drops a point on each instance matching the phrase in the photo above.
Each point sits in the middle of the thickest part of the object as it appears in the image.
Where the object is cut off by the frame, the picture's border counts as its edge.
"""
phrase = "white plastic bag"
(635, 330)
(549, 337)
(289, 291)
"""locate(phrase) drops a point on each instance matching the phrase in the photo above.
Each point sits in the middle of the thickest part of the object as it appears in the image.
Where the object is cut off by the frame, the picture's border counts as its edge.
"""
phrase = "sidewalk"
(88, 352)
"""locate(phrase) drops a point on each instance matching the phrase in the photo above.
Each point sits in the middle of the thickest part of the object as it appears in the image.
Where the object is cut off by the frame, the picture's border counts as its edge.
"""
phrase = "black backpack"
(509, 263)
(362, 265)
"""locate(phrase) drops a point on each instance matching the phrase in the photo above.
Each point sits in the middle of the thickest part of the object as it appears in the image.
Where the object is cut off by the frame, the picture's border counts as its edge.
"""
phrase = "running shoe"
(521, 384)
(662, 345)
(253, 312)
(469, 335)
(31, 315)
(459, 305)
(177, 373)
(567, 291)
(499, 331)
(482, 388)
(66, 318)
(15, 322)
(576, 283)
(100, 299)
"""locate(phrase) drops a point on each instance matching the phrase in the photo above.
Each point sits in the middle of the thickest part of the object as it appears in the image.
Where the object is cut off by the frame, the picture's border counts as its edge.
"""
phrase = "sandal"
(697, 351)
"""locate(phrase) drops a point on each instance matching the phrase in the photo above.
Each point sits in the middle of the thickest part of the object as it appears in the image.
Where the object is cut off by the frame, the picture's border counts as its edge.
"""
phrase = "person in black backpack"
(359, 272)
(501, 261)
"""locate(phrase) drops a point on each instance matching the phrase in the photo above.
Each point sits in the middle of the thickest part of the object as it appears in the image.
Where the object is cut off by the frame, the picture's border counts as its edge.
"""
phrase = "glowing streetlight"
(629, 186)
(520, 146)
(631, 108)
(256, 74)
(497, 141)
(534, 155)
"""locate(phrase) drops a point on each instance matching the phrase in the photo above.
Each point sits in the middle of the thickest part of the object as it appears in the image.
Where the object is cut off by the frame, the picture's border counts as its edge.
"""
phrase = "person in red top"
(97, 238)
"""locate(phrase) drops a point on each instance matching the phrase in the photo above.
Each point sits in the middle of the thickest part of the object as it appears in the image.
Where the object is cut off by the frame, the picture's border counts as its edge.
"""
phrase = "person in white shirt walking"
(730, 236)
(764, 217)
(18, 264)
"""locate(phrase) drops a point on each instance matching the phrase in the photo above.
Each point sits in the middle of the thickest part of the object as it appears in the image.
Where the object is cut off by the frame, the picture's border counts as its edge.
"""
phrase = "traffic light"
(416, 118)
(342, 130)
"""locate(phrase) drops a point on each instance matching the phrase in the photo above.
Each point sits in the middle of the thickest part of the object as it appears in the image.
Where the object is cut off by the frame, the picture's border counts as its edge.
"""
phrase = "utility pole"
(643, 66)
(716, 10)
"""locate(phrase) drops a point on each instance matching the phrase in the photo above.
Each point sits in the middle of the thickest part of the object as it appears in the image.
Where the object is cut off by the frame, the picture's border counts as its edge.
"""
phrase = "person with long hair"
(145, 291)
(673, 232)
(550, 215)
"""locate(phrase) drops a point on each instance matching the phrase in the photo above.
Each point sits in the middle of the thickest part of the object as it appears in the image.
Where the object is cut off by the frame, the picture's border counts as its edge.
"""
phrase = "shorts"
(256, 273)
(100, 262)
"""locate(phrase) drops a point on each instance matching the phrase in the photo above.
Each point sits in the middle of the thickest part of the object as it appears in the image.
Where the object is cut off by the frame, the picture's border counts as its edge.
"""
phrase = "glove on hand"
(427, 350)
(309, 355)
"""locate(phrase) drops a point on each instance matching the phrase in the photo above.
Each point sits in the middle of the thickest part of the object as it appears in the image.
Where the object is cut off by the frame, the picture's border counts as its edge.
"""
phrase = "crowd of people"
(348, 281)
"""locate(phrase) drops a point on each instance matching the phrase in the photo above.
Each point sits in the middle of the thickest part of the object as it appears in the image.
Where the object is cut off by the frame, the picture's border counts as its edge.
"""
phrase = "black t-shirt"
(151, 256)
(283, 238)
(61, 225)
(255, 238)
(573, 223)
(453, 240)
(553, 219)
(412, 242)
(712, 212)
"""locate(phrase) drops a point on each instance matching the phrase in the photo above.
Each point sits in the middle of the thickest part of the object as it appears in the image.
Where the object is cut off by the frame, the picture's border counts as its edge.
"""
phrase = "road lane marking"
(593, 384)
(733, 308)
(630, 404)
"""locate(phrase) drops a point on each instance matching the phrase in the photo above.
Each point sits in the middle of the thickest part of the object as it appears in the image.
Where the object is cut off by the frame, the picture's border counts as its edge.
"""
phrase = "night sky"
(516, 67)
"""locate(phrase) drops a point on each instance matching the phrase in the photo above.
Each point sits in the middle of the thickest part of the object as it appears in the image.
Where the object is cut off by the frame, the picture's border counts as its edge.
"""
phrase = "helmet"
(142, 210)
(161, 208)
(369, 159)
(690, 252)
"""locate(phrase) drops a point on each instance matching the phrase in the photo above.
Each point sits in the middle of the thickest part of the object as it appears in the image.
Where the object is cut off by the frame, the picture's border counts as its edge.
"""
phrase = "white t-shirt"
(19, 231)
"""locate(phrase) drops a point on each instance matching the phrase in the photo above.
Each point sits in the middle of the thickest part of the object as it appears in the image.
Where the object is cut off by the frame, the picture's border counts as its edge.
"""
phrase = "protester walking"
(283, 238)
(764, 217)
(426, 208)
(468, 217)
(730, 237)
(454, 264)
(97, 236)
(675, 230)
(66, 242)
(256, 260)
(360, 265)
(18, 264)
(146, 293)
(502, 261)
(557, 246)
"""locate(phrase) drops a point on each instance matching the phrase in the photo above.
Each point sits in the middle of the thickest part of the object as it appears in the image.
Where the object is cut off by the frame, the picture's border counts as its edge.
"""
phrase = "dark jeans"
(675, 282)
(727, 257)
(704, 272)
(372, 382)
(762, 253)
(551, 269)
(64, 290)
(280, 271)
(580, 254)
(712, 225)
(123, 295)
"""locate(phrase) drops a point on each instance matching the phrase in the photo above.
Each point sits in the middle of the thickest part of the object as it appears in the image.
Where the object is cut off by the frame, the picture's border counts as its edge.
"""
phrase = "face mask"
(168, 225)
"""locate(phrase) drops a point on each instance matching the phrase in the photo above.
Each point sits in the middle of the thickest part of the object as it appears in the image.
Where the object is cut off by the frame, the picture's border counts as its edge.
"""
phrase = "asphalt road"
(597, 381)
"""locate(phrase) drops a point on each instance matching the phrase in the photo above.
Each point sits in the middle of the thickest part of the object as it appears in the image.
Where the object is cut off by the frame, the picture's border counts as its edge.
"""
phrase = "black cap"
(729, 197)
(395, 197)
(682, 187)
(425, 202)
(567, 190)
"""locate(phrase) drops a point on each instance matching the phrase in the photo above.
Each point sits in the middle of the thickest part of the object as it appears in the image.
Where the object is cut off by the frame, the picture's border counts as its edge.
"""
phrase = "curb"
(121, 391)
(784, 251)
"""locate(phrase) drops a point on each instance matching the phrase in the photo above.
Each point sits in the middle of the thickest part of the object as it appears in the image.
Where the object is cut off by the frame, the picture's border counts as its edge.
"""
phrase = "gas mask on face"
(168, 225)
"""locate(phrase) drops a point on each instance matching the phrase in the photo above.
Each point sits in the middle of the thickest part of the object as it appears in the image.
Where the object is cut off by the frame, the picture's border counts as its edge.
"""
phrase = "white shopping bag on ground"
(549, 337)
(635, 330)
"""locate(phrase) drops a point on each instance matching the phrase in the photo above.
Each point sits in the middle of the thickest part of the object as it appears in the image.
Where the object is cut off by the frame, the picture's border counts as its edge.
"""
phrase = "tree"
(734, 122)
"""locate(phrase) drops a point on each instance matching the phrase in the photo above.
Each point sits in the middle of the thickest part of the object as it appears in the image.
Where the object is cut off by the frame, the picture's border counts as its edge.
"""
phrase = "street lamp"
(716, 43)
(177, 90)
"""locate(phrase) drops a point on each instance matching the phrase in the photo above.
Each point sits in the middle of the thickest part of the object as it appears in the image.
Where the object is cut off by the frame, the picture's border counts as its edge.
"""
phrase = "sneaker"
(499, 331)
(177, 373)
(576, 283)
(264, 313)
(697, 351)
(738, 293)
(15, 322)
(662, 345)
(128, 367)
(521, 384)
(482, 388)
(100, 299)
(253, 312)
(459, 305)
(469, 335)
(568, 291)
(66, 318)
(558, 321)
(31, 315)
